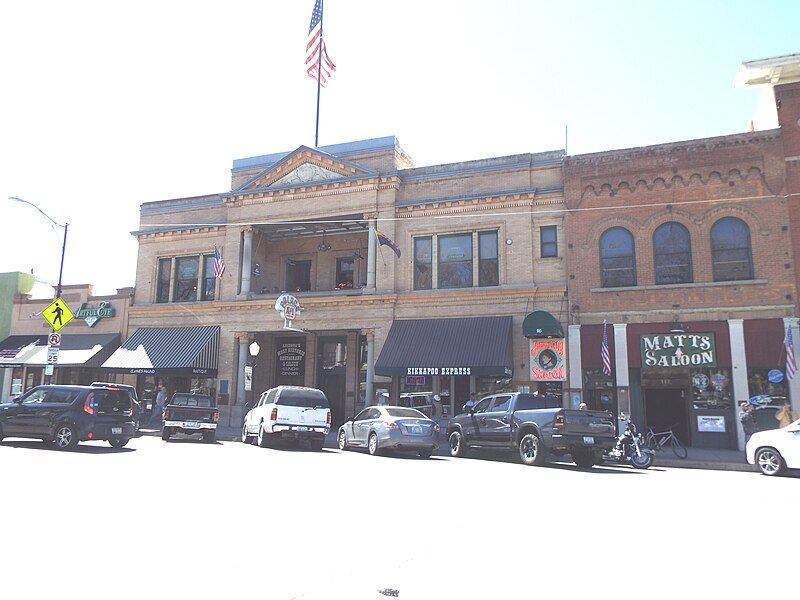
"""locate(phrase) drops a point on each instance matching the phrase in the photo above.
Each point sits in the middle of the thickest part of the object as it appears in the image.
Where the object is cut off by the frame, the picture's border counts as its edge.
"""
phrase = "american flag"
(313, 57)
(219, 264)
(604, 353)
(791, 362)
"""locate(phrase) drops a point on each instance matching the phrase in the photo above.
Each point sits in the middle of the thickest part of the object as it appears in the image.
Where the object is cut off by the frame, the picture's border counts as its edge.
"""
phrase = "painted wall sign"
(678, 350)
(93, 314)
(439, 371)
(548, 359)
(291, 357)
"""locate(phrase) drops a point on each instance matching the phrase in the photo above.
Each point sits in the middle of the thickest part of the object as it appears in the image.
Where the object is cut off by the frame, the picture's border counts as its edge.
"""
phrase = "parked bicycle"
(658, 440)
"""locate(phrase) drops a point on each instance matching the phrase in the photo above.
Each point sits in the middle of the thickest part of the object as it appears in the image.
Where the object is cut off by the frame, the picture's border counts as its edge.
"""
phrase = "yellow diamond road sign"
(57, 314)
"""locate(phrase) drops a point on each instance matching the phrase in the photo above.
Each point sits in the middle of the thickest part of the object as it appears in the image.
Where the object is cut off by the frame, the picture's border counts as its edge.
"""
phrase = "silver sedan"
(380, 428)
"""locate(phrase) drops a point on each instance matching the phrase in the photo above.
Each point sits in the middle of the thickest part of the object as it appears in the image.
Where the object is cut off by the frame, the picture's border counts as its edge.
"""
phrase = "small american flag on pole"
(604, 353)
(219, 264)
(791, 361)
(317, 59)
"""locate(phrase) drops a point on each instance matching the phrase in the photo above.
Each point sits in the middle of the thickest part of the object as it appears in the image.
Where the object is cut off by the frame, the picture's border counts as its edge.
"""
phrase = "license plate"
(301, 428)
(192, 425)
(117, 430)
(588, 440)
(416, 429)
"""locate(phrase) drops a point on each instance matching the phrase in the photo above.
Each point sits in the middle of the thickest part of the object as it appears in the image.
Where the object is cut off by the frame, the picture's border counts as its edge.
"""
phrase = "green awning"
(541, 324)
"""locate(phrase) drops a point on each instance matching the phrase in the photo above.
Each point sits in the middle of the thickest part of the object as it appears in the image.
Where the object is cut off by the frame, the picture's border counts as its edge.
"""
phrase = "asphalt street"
(190, 520)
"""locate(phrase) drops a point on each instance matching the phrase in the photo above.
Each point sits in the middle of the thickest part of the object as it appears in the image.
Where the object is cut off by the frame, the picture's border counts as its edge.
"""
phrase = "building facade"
(396, 269)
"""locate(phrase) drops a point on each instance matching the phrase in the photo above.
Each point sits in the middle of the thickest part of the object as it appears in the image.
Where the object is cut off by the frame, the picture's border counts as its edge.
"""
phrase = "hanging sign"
(548, 359)
(678, 350)
(288, 306)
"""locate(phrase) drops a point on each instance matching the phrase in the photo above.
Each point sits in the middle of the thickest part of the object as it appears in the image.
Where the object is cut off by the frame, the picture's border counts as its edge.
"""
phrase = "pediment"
(302, 168)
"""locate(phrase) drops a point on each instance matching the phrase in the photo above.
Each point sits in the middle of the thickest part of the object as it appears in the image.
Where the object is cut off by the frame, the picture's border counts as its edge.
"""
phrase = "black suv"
(67, 414)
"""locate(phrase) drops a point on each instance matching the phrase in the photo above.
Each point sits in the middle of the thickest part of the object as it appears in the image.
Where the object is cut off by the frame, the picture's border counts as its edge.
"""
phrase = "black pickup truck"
(534, 425)
(190, 413)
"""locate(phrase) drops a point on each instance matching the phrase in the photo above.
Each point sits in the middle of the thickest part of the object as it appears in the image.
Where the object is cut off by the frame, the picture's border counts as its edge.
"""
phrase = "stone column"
(575, 366)
(621, 369)
(741, 391)
(371, 250)
(247, 260)
(369, 395)
(244, 341)
(794, 383)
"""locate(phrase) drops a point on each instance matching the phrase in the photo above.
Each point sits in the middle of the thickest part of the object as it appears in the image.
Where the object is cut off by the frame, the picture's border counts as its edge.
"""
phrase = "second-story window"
(488, 273)
(209, 279)
(548, 241)
(617, 258)
(672, 251)
(186, 272)
(345, 272)
(164, 274)
(298, 275)
(455, 260)
(423, 263)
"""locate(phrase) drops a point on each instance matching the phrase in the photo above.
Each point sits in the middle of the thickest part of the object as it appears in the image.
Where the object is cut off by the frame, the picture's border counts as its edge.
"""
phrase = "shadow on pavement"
(602, 469)
(79, 449)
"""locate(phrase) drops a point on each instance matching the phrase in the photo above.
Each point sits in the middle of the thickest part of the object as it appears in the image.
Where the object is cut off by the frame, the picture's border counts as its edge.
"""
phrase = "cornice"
(186, 231)
(328, 188)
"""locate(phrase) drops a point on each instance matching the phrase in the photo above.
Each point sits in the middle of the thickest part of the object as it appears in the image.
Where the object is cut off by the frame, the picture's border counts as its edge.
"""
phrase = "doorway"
(460, 394)
(331, 374)
(668, 409)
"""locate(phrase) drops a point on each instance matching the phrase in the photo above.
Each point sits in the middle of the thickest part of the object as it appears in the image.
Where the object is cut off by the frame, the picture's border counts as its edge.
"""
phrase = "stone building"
(477, 240)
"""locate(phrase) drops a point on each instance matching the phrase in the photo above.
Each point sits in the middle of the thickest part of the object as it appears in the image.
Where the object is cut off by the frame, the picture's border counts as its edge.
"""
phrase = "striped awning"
(180, 351)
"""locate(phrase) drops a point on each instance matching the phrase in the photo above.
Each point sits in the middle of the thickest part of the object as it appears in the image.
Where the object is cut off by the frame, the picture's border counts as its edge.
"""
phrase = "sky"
(105, 105)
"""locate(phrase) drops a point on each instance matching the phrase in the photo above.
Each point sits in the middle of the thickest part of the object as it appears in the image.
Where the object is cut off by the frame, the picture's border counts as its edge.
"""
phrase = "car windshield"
(405, 412)
(191, 400)
(303, 398)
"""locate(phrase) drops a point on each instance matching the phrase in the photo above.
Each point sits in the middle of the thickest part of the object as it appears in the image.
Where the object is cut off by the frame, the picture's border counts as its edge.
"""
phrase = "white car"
(775, 450)
(291, 412)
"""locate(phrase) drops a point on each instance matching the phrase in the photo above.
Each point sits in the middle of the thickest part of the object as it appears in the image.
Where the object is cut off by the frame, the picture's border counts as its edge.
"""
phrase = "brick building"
(686, 252)
(478, 240)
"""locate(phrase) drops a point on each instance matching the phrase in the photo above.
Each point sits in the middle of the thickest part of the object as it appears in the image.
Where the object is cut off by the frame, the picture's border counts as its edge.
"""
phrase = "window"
(537, 401)
(672, 250)
(483, 405)
(35, 397)
(302, 398)
(501, 404)
(363, 415)
(487, 259)
(405, 412)
(186, 273)
(548, 241)
(209, 279)
(617, 258)
(423, 263)
(164, 270)
(731, 252)
(345, 273)
(298, 275)
(455, 261)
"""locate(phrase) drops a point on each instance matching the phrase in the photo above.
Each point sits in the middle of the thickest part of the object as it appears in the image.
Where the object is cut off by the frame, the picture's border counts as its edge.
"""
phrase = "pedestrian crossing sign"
(57, 314)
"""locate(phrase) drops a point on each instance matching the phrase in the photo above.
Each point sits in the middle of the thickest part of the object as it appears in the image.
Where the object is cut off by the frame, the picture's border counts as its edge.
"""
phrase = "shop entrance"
(460, 394)
(668, 408)
(331, 371)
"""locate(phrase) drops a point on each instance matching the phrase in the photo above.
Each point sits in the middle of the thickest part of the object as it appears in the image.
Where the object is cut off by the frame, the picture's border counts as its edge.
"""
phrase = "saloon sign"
(547, 359)
(676, 350)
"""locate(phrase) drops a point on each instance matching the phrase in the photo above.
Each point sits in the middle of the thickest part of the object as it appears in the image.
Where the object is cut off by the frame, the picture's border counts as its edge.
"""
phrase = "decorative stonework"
(305, 174)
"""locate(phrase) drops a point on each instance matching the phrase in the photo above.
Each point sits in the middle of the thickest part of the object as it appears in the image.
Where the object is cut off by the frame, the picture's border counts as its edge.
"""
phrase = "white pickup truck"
(289, 412)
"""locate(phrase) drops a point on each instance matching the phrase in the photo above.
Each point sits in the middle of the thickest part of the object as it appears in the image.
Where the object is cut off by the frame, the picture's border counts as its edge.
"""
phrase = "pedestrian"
(583, 406)
(161, 401)
(786, 416)
(473, 400)
(748, 419)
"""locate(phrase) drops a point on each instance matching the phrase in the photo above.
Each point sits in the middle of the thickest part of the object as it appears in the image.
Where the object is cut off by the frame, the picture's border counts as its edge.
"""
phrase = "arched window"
(617, 258)
(731, 252)
(672, 250)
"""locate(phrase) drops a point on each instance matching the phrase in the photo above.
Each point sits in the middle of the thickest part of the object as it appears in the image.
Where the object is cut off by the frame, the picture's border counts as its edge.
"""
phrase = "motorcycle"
(630, 449)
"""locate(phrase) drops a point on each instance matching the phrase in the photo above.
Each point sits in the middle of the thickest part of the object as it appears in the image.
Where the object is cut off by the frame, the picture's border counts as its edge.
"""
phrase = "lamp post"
(254, 349)
(63, 245)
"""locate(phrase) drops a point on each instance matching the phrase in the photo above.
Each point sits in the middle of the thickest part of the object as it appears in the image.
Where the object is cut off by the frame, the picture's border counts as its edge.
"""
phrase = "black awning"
(468, 346)
(11, 348)
(541, 324)
(181, 351)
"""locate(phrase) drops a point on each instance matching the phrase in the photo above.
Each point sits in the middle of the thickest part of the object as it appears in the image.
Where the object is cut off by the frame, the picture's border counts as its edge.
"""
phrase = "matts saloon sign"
(678, 350)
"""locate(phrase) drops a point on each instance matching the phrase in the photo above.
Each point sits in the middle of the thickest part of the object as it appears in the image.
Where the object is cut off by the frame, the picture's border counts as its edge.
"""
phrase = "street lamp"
(63, 246)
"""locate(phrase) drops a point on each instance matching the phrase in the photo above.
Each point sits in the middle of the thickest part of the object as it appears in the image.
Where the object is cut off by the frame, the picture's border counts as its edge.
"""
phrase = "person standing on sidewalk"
(786, 416)
(161, 401)
(748, 420)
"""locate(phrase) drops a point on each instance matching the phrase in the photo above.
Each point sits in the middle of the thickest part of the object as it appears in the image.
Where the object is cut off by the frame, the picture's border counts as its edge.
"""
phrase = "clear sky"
(106, 105)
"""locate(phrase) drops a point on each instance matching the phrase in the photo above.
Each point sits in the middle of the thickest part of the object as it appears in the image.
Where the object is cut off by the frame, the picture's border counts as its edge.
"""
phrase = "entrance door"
(331, 370)
(460, 394)
(668, 409)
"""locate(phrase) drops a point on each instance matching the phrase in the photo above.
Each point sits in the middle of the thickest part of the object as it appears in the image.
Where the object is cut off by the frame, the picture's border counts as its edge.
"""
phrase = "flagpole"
(319, 71)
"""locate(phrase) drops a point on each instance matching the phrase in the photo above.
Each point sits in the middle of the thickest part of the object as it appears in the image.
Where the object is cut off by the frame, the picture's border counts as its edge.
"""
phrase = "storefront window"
(186, 279)
(711, 389)
(488, 273)
(760, 385)
(164, 270)
(298, 275)
(203, 385)
(209, 279)
(491, 385)
(423, 263)
(345, 268)
(455, 261)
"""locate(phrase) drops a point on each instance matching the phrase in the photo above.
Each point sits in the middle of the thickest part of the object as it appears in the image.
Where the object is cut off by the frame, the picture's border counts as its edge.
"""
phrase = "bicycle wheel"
(678, 448)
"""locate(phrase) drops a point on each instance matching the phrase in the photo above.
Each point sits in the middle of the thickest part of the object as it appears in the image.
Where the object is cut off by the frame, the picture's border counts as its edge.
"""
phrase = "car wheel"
(342, 441)
(457, 447)
(210, 437)
(770, 462)
(165, 433)
(425, 453)
(119, 442)
(66, 437)
(263, 436)
(245, 435)
(584, 459)
(531, 451)
(372, 445)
